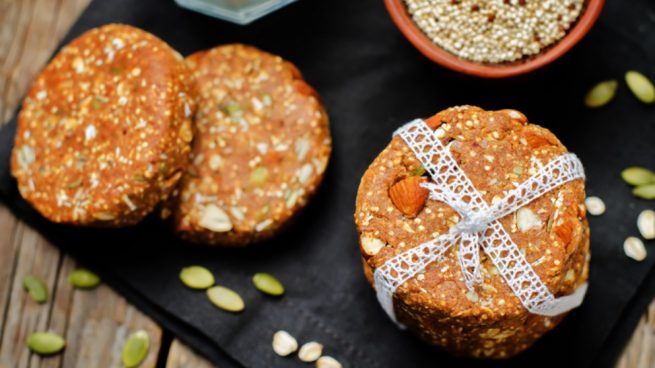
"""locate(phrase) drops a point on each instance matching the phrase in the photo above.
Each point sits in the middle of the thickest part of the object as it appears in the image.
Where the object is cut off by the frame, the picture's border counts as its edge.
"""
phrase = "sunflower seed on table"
(310, 351)
(197, 277)
(283, 343)
(646, 224)
(268, 284)
(135, 348)
(640, 86)
(644, 191)
(226, 299)
(634, 248)
(601, 94)
(636, 175)
(45, 343)
(595, 206)
(82, 278)
(327, 362)
(36, 288)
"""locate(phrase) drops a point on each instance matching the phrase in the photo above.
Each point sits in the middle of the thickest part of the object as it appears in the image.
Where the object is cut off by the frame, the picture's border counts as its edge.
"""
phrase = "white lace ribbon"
(479, 227)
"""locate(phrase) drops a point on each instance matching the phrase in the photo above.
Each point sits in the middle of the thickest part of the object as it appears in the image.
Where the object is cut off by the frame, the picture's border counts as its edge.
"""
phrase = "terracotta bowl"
(404, 22)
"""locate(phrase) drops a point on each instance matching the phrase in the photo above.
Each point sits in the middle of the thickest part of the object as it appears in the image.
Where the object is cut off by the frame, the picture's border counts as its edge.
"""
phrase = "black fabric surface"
(371, 81)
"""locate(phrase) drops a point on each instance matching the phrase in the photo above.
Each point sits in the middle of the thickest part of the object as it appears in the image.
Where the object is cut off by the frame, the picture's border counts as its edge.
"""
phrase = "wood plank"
(99, 322)
(8, 250)
(182, 356)
(24, 316)
(30, 31)
(640, 351)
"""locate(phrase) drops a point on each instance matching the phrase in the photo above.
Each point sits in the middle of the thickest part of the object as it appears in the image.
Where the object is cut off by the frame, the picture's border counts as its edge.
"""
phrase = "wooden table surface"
(95, 323)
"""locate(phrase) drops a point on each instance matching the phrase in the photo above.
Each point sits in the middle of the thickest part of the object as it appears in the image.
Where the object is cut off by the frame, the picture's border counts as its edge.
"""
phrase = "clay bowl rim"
(410, 30)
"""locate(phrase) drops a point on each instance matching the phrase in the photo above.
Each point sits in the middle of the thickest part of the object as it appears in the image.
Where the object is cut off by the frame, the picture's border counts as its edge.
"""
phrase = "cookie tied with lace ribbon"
(473, 230)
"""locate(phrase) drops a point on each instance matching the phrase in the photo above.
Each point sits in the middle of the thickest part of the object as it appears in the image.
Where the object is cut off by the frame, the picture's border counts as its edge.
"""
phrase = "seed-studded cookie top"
(104, 132)
(262, 146)
(497, 151)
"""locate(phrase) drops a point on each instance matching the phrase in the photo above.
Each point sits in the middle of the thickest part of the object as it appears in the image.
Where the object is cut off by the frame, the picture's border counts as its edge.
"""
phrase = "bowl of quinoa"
(494, 38)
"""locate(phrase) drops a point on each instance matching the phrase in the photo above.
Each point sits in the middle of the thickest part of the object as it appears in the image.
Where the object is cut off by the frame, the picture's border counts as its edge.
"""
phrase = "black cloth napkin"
(371, 81)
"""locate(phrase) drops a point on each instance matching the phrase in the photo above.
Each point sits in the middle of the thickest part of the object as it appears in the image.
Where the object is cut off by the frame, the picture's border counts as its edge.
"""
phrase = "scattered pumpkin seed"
(634, 248)
(645, 191)
(197, 277)
(327, 362)
(640, 86)
(135, 348)
(646, 224)
(310, 351)
(638, 176)
(595, 206)
(226, 299)
(259, 176)
(268, 284)
(45, 343)
(36, 288)
(82, 278)
(601, 94)
(283, 343)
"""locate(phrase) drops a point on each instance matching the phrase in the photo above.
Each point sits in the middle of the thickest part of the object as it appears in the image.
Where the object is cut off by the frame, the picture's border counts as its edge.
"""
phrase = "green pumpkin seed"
(135, 348)
(419, 171)
(82, 278)
(645, 191)
(37, 288)
(268, 284)
(601, 94)
(225, 299)
(259, 176)
(45, 343)
(640, 86)
(197, 277)
(638, 176)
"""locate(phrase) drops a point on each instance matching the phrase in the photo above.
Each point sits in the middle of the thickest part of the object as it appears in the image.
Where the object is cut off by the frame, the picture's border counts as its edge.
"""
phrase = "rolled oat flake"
(595, 206)
(646, 224)
(634, 248)
(310, 351)
(135, 348)
(640, 86)
(283, 343)
(45, 343)
(601, 94)
(327, 362)
(197, 277)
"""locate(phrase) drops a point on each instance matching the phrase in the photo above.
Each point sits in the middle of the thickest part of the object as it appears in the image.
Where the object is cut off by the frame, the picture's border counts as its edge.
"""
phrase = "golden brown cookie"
(104, 133)
(497, 150)
(262, 145)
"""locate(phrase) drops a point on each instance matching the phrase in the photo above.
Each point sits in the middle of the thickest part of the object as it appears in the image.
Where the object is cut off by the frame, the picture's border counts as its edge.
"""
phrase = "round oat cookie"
(497, 150)
(262, 145)
(104, 133)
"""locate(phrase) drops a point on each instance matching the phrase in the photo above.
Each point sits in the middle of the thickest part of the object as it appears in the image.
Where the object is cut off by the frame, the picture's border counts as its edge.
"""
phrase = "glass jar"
(236, 11)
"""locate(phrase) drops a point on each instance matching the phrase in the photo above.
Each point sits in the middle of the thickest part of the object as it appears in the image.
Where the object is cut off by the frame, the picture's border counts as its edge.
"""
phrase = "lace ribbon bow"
(479, 227)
